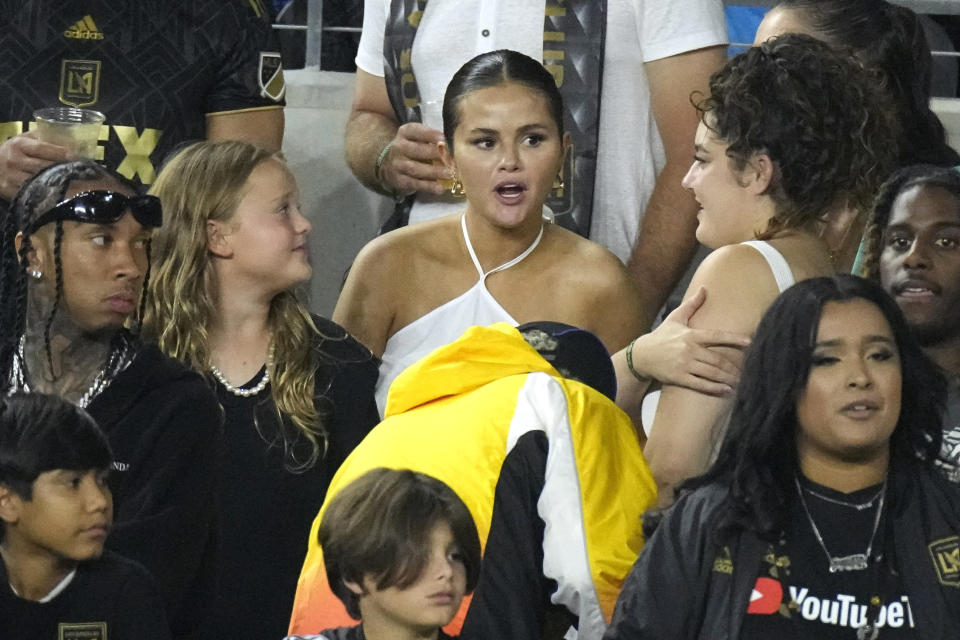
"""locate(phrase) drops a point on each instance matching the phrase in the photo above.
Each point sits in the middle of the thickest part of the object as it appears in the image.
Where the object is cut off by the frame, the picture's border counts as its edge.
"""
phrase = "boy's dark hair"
(379, 526)
(40, 433)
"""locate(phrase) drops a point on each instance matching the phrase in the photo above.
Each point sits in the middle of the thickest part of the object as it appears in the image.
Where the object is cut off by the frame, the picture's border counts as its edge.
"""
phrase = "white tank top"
(784, 278)
(446, 323)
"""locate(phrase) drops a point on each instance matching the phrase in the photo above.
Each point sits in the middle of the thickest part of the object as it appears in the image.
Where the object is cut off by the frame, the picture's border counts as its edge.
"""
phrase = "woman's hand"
(676, 354)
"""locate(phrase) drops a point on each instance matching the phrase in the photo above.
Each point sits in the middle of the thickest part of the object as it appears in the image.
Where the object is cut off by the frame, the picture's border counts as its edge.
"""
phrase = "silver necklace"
(116, 362)
(856, 561)
(859, 506)
(250, 391)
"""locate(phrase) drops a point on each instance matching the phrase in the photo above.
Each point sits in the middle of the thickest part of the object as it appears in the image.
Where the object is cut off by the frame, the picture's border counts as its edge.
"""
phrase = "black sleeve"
(249, 72)
(140, 613)
(662, 597)
(167, 521)
(512, 598)
(346, 379)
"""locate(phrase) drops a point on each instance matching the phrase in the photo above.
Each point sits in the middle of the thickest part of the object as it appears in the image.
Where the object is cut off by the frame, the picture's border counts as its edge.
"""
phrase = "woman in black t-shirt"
(822, 516)
(296, 389)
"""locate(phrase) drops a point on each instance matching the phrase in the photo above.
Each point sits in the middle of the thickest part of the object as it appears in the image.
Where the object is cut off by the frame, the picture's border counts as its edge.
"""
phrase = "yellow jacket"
(455, 414)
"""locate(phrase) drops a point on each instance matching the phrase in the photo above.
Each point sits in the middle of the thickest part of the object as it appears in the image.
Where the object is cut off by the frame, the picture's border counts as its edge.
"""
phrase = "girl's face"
(726, 202)
(102, 265)
(507, 152)
(851, 403)
(265, 241)
(920, 261)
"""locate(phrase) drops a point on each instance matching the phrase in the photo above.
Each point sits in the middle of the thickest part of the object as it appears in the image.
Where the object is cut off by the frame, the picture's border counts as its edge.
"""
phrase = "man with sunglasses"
(75, 266)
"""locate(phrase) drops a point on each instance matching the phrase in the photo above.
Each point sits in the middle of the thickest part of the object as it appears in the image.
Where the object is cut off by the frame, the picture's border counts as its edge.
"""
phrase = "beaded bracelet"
(636, 374)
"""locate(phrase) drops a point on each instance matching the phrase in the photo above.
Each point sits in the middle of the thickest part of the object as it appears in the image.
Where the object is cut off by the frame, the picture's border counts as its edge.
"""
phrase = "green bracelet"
(636, 374)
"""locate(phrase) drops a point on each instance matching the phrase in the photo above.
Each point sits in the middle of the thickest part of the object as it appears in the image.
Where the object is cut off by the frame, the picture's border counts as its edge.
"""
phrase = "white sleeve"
(370, 53)
(671, 27)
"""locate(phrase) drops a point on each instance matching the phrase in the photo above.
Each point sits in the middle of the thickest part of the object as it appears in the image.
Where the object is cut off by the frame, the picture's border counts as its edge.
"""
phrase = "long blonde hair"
(204, 182)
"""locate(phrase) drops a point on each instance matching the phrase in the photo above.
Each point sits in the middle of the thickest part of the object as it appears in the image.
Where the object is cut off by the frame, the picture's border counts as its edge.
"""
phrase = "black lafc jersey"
(155, 68)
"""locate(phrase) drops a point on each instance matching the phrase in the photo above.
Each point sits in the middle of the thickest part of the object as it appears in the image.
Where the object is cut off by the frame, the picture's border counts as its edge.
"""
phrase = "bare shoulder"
(386, 275)
(597, 291)
(740, 287)
(585, 258)
(401, 247)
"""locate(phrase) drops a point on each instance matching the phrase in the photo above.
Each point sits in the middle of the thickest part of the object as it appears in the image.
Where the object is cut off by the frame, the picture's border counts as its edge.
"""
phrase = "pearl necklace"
(240, 391)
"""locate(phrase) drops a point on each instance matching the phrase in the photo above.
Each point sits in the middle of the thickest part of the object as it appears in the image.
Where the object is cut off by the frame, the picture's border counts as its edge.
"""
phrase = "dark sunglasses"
(102, 207)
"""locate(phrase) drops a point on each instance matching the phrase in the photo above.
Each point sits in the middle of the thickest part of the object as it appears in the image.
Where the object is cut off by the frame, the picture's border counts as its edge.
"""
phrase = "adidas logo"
(85, 29)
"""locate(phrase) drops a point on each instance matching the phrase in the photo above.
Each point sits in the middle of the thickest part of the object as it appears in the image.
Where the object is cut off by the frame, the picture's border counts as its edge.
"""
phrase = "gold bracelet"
(636, 374)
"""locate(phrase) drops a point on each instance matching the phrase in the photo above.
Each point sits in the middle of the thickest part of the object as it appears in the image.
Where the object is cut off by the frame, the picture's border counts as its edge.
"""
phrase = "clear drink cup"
(70, 127)
(431, 114)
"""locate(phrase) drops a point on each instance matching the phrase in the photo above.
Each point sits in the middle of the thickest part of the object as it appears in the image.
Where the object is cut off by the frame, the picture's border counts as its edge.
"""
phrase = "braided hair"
(926, 175)
(36, 196)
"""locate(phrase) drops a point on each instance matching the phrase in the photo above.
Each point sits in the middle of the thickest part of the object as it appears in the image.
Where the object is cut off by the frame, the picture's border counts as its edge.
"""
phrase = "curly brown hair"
(889, 39)
(819, 117)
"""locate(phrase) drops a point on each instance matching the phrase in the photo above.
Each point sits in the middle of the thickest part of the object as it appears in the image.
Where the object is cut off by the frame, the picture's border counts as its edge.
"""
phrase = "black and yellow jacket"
(456, 415)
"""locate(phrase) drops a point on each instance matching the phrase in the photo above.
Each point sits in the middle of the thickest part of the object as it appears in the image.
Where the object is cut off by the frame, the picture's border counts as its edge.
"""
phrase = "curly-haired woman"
(823, 516)
(296, 390)
(791, 133)
(889, 40)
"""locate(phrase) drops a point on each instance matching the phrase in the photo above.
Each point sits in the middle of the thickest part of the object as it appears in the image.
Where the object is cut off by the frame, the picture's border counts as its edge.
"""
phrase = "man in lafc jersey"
(162, 73)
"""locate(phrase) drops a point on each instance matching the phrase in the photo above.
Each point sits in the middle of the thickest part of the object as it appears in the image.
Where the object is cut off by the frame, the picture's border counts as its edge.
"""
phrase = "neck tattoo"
(119, 357)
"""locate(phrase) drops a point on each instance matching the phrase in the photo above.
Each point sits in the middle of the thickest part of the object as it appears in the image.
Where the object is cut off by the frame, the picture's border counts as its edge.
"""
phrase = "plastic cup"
(431, 114)
(70, 127)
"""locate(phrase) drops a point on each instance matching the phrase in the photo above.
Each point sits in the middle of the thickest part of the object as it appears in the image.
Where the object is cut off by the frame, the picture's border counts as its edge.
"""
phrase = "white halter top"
(784, 278)
(446, 323)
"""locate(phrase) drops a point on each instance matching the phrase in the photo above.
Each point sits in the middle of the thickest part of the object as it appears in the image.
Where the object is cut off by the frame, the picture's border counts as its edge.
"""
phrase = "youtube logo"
(766, 597)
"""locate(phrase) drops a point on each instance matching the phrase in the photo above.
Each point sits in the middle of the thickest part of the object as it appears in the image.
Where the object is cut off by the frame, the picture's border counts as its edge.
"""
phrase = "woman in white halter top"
(420, 287)
(791, 133)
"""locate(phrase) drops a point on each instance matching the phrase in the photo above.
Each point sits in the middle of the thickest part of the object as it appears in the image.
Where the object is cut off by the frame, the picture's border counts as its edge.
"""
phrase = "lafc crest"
(271, 76)
(946, 560)
(79, 82)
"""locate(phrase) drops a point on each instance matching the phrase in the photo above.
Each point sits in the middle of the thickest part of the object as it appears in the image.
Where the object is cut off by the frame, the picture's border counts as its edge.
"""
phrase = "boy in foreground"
(401, 550)
(56, 581)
